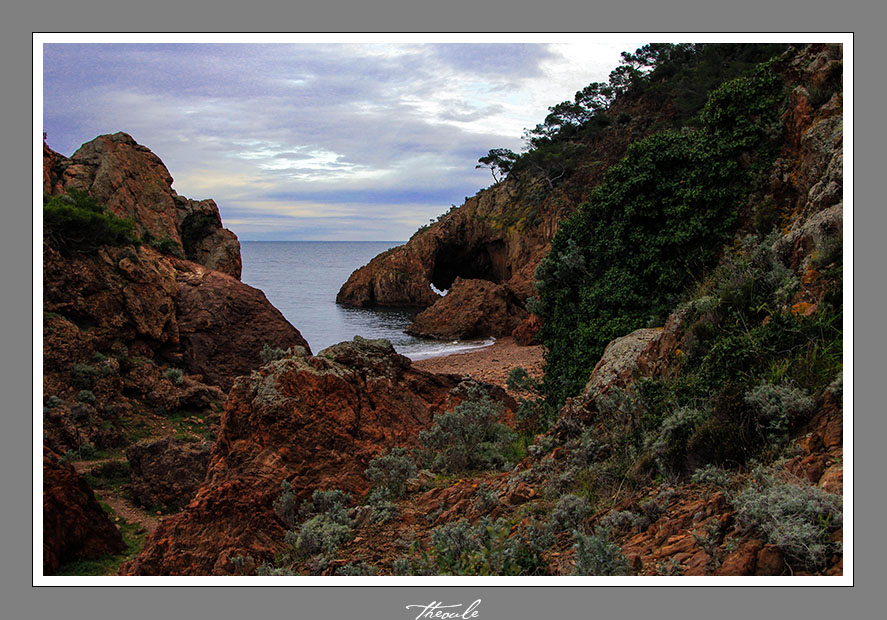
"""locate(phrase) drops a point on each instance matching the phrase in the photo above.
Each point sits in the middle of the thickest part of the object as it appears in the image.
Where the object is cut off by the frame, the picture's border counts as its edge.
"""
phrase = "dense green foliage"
(76, 222)
(654, 225)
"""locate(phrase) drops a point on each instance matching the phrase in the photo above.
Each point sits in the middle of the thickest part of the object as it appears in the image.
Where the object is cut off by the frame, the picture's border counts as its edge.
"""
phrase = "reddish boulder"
(224, 324)
(74, 525)
(471, 309)
(314, 421)
(166, 472)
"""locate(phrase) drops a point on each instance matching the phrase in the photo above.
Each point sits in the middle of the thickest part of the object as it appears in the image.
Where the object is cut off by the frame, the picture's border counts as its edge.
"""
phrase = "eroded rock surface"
(313, 421)
(166, 472)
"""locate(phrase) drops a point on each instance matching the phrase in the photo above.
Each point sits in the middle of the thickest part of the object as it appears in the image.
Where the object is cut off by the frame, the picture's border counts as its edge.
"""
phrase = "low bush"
(83, 376)
(792, 514)
(390, 472)
(570, 513)
(175, 375)
(76, 222)
(597, 555)
(469, 436)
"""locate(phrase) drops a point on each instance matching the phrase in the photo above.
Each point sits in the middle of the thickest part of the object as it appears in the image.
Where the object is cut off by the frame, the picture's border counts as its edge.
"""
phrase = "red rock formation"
(74, 525)
(527, 332)
(471, 309)
(132, 182)
(119, 317)
(314, 421)
(166, 472)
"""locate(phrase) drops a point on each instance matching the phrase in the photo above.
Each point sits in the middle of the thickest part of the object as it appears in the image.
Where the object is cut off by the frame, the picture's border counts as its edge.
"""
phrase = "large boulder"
(166, 472)
(313, 421)
(74, 525)
(471, 309)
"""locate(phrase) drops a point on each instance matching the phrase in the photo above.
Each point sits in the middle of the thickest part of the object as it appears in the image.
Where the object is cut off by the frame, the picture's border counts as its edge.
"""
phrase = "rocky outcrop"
(166, 472)
(471, 309)
(74, 525)
(313, 421)
(526, 334)
(130, 329)
(132, 182)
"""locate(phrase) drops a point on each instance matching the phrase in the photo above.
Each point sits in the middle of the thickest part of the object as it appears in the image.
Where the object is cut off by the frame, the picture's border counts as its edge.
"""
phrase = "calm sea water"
(301, 279)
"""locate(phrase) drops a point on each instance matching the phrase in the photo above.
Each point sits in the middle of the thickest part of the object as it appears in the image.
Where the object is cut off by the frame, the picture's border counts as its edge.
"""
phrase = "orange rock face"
(314, 421)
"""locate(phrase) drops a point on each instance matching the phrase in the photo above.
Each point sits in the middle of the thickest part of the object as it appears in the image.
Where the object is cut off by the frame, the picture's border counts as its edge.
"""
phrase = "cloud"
(366, 131)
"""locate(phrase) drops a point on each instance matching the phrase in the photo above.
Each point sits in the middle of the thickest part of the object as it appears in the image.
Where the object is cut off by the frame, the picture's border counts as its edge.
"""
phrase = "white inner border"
(39, 39)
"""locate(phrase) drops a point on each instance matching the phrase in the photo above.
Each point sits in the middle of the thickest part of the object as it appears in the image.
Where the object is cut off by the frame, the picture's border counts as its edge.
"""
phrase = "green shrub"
(357, 569)
(792, 514)
(53, 401)
(391, 471)
(669, 449)
(86, 396)
(83, 376)
(596, 555)
(166, 245)
(469, 436)
(175, 375)
(651, 228)
(77, 223)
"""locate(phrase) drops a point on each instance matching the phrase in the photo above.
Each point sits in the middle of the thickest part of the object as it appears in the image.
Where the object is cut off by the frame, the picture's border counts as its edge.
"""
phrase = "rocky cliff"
(132, 182)
(139, 339)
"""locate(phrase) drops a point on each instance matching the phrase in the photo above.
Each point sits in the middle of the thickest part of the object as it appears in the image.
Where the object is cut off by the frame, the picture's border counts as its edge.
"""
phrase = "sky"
(319, 141)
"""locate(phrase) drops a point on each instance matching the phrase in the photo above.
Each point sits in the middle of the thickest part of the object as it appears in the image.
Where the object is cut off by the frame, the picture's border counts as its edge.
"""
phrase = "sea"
(301, 279)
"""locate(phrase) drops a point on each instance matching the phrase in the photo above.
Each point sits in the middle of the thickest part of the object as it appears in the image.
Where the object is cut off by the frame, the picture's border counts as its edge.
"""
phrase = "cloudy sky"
(318, 141)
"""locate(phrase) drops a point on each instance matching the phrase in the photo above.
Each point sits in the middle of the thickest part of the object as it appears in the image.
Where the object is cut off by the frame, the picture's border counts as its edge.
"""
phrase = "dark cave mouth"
(487, 261)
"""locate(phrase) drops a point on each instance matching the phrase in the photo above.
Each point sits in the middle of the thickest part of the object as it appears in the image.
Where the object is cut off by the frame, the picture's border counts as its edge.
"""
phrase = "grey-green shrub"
(285, 504)
(391, 471)
(327, 524)
(570, 513)
(792, 514)
(469, 436)
(597, 555)
(711, 474)
(775, 405)
(175, 375)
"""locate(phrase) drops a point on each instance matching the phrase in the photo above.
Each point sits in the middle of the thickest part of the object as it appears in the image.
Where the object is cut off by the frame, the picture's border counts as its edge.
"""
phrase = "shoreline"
(492, 363)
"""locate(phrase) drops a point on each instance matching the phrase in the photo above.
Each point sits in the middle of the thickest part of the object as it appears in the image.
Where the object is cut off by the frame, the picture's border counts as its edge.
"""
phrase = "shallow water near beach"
(301, 279)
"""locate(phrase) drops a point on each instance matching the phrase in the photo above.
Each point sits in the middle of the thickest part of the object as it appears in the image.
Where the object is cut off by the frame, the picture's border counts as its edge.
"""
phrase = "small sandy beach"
(491, 364)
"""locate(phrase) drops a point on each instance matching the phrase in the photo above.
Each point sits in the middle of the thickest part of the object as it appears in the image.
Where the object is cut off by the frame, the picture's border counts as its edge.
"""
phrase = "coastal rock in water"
(471, 309)
(166, 472)
(313, 421)
(74, 525)
(132, 182)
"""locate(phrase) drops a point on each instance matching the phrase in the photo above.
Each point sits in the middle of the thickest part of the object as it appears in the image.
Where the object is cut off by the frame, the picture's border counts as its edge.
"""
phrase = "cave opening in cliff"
(487, 261)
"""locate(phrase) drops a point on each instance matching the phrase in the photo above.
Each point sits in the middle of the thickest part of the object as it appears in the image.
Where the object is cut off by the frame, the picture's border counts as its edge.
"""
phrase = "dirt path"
(119, 503)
